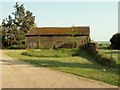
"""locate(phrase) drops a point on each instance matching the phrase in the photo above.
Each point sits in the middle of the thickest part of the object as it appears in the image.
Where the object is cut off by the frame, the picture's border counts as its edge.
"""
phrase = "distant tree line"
(15, 27)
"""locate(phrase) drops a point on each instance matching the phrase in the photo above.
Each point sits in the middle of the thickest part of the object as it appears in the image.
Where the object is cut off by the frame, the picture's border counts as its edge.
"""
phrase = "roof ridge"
(64, 27)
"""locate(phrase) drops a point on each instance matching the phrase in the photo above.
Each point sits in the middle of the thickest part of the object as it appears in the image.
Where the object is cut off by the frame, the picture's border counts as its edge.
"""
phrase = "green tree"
(15, 28)
(115, 41)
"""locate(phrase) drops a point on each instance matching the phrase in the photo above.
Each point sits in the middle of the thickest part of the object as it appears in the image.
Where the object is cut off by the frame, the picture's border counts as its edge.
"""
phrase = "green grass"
(110, 54)
(103, 44)
(49, 53)
(82, 65)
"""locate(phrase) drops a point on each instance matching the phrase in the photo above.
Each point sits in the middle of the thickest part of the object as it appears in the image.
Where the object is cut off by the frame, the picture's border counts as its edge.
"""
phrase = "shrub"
(17, 47)
(115, 41)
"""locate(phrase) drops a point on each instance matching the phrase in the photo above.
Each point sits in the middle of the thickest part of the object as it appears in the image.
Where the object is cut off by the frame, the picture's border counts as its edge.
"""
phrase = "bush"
(115, 41)
(17, 47)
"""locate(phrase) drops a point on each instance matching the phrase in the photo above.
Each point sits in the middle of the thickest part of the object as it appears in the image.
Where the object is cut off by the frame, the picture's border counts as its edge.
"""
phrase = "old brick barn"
(58, 37)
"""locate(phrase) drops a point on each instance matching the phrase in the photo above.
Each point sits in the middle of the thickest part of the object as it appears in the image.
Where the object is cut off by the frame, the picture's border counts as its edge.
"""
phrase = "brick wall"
(56, 41)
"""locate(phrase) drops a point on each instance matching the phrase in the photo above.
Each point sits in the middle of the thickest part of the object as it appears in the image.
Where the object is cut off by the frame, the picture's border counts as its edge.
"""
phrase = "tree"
(15, 28)
(115, 41)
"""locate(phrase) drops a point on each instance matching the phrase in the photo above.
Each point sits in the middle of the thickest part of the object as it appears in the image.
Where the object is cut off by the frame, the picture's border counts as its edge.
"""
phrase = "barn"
(57, 37)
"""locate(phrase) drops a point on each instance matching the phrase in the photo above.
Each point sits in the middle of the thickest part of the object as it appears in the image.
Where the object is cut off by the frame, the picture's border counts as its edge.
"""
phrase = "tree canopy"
(15, 27)
(115, 41)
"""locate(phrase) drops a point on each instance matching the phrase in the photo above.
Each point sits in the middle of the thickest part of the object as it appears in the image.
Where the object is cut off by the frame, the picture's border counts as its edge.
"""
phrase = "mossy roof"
(83, 30)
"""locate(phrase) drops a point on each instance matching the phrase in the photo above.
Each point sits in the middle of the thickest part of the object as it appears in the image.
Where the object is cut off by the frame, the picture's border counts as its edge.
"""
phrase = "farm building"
(58, 37)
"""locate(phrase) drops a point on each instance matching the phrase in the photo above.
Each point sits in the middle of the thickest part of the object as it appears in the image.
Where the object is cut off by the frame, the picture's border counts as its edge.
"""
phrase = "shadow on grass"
(84, 54)
(55, 63)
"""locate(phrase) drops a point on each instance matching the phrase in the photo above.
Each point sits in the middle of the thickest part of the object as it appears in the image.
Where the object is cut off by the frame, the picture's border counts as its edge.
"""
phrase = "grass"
(82, 65)
(49, 53)
(110, 54)
(103, 44)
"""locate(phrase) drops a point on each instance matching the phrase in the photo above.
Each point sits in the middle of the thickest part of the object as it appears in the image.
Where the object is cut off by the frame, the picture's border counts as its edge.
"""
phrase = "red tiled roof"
(59, 31)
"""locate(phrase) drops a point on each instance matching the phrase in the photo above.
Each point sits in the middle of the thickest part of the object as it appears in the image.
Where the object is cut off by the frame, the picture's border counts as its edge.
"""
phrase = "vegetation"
(57, 53)
(14, 28)
(110, 54)
(103, 44)
(50, 53)
(83, 65)
(115, 41)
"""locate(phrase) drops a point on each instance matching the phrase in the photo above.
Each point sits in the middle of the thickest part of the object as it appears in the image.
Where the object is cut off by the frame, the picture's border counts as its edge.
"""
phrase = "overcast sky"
(102, 17)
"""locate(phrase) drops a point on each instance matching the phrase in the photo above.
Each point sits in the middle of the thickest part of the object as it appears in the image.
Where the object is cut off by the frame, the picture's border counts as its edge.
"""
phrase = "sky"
(101, 17)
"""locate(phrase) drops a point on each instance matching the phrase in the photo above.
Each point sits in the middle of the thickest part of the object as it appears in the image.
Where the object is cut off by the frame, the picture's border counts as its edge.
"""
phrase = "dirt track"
(19, 74)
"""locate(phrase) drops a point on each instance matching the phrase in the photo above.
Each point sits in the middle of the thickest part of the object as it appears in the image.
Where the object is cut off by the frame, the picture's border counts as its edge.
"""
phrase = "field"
(103, 44)
(65, 60)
